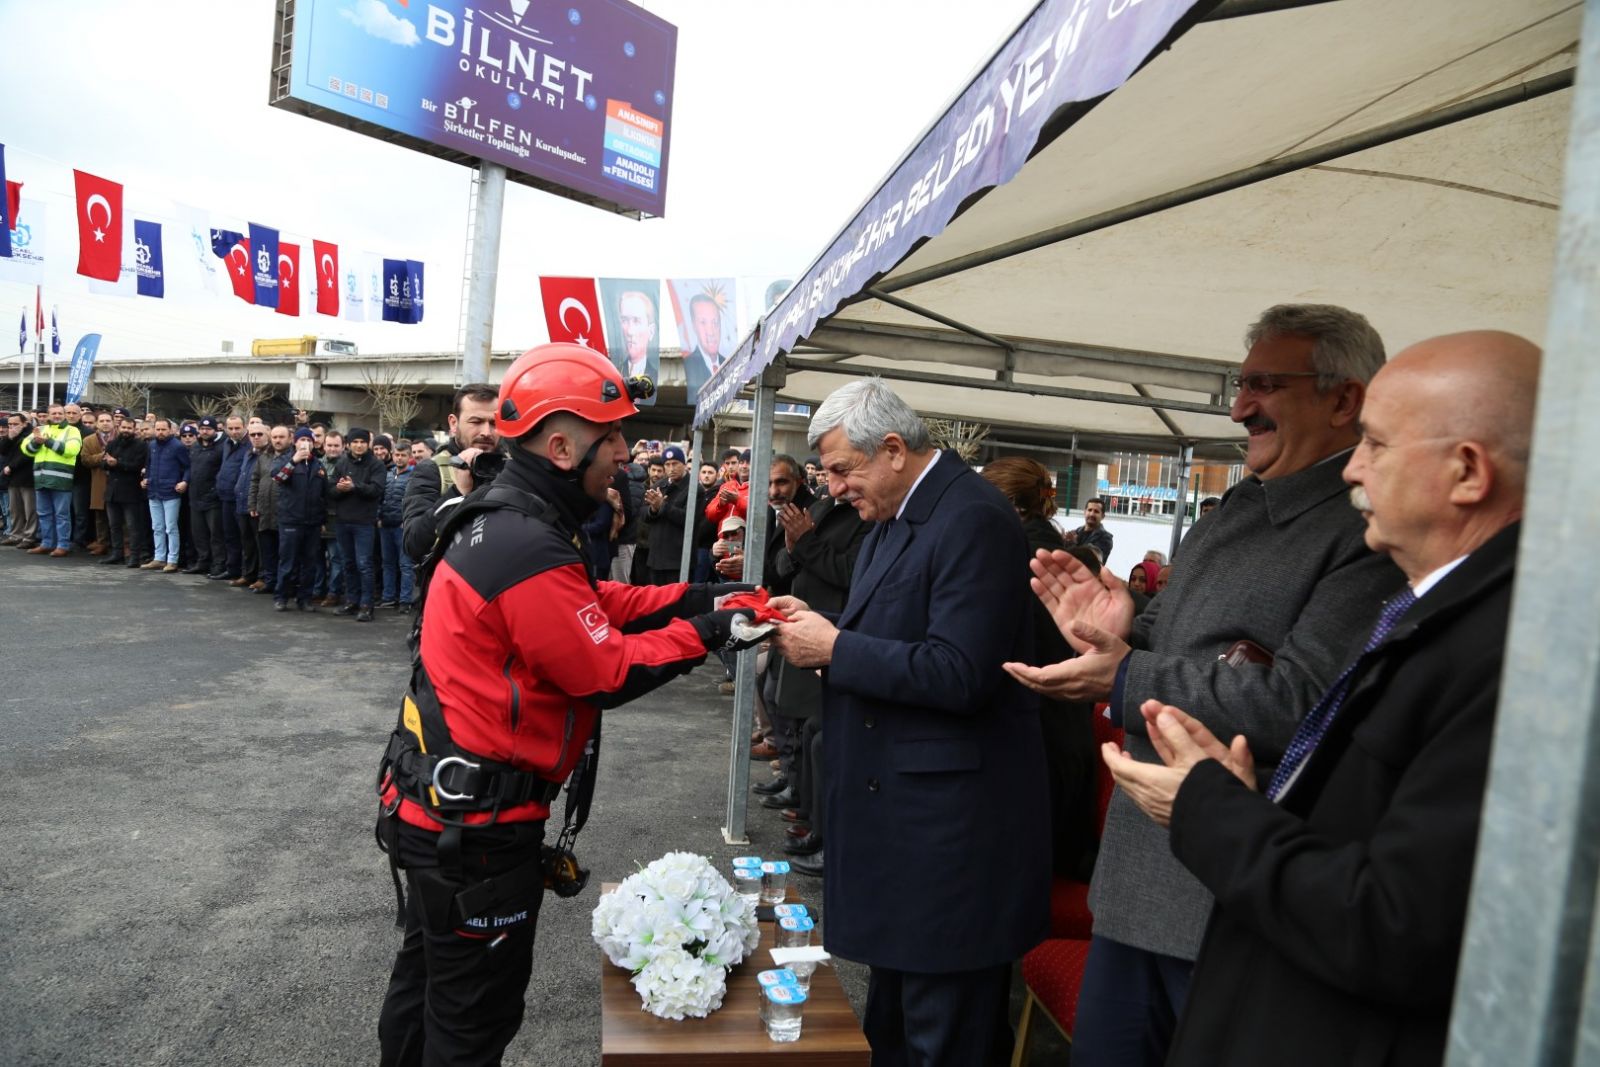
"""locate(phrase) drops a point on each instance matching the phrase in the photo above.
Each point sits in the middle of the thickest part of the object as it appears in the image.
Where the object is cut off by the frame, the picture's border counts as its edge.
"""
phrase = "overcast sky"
(786, 117)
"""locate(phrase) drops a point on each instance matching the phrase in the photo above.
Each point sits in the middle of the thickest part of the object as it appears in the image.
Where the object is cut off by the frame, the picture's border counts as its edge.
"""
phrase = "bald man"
(1341, 884)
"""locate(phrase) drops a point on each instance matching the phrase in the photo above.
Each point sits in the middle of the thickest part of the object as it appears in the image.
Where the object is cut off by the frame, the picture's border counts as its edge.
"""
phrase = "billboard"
(572, 97)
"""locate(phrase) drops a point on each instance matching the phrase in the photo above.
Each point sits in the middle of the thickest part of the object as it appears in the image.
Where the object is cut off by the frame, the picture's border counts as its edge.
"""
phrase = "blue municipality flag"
(222, 242)
(414, 274)
(22, 334)
(264, 262)
(7, 223)
(396, 291)
(146, 260)
(55, 335)
(82, 365)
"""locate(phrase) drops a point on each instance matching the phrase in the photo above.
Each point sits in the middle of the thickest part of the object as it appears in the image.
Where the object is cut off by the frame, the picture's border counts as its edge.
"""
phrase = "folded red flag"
(755, 604)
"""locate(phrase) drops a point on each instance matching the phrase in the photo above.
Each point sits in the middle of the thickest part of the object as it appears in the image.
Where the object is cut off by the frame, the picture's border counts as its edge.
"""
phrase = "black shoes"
(308, 605)
(767, 789)
(809, 845)
(345, 609)
(219, 576)
(113, 560)
(364, 615)
(811, 864)
(784, 798)
(193, 568)
(279, 605)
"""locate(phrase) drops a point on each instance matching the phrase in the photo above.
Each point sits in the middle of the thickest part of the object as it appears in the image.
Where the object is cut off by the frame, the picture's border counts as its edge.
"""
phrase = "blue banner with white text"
(147, 258)
(264, 264)
(82, 366)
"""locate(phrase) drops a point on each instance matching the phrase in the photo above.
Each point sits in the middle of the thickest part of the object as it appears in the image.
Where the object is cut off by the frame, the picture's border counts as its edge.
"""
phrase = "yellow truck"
(307, 345)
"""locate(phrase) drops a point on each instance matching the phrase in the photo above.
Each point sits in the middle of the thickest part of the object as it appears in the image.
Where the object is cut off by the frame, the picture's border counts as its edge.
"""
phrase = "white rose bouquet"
(678, 926)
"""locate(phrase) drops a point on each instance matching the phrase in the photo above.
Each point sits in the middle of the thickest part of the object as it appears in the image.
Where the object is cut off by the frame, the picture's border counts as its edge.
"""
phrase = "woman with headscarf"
(1069, 736)
(1142, 584)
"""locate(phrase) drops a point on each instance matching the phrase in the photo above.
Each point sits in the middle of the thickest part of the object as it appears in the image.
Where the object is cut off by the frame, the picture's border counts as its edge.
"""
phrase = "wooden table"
(733, 1034)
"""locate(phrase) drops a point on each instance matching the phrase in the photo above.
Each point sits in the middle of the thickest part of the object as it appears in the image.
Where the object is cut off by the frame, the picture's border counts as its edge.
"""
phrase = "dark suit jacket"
(936, 808)
(1339, 912)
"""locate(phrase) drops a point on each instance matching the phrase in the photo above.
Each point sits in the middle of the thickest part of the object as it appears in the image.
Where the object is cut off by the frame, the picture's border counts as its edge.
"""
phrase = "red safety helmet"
(565, 377)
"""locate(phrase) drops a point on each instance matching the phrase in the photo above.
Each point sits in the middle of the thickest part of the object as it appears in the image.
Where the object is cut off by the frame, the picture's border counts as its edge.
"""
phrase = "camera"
(485, 467)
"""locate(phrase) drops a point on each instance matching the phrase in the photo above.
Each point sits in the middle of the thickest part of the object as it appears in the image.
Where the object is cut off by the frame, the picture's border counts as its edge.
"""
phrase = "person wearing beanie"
(355, 493)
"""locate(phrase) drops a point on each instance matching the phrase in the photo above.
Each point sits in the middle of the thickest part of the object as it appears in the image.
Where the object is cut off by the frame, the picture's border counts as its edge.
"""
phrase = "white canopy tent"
(1101, 280)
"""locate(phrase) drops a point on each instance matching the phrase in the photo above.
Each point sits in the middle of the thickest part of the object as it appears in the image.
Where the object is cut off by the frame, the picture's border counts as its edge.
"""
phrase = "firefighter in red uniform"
(519, 650)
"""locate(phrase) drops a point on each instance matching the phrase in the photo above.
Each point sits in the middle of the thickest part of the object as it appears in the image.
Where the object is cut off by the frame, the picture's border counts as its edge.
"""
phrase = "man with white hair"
(1341, 885)
(935, 793)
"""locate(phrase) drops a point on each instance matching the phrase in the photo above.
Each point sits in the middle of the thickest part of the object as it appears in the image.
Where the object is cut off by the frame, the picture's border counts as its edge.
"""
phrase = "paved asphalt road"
(192, 877)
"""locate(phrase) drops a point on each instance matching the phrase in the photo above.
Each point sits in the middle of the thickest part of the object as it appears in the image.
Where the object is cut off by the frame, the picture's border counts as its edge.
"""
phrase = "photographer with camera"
(493, 725)
(449, 474)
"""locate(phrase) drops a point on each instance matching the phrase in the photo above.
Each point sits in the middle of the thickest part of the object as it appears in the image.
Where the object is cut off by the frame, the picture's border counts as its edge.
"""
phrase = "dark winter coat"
(166, 466)
(205, 463)
(302, 490)
(359, 505)
(122, 480)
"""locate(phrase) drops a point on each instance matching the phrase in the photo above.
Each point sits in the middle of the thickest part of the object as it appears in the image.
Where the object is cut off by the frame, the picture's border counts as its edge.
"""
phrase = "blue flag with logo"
(396, 291)
(414, 274)
(264, 263)
(147, 258)
(222, 242)
(55, 335)
(82, 365)
(7, 223)
(22, 335)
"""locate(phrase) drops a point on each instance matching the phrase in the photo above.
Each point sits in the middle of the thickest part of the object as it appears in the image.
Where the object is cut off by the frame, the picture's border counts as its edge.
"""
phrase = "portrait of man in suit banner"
(633, 326)
(707, 332)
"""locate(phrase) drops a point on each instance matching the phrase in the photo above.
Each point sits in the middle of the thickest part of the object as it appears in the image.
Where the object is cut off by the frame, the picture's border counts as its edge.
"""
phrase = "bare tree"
(199, 405)
(965, 437)
(121, 388)
(247, 397)
(393, 397)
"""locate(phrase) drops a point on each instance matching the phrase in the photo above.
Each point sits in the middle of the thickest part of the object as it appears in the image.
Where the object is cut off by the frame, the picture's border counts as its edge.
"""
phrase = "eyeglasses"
(1262, 384)
(258, 433)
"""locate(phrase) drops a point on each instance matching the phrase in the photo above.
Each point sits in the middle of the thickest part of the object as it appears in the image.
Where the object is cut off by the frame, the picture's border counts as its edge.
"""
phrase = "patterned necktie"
(1312, 728)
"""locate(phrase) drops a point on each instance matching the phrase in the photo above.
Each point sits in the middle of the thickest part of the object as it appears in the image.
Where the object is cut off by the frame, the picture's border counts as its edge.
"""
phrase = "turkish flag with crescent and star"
(288, 278)
(99, 226)
(326, 256)
(233, 249)
(572, 311)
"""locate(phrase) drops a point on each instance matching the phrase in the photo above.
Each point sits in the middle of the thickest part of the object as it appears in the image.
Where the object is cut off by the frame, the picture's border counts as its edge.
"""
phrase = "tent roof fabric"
(1441, 231)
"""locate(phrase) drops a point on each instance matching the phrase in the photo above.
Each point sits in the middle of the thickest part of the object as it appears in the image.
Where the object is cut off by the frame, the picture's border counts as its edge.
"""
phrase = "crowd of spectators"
(297, 511)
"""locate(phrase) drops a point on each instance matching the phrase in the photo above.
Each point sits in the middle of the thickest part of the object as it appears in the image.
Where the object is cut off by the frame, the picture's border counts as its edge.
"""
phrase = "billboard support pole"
(692, 509)
(484, 267)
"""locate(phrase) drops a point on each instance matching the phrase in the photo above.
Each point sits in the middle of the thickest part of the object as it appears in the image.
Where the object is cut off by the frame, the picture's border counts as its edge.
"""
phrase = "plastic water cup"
(783, 911)
(747, 861)
(794, 931)
(747, 883)
(785, 1004)
(774, 881)
(803, 969)
(768, 979)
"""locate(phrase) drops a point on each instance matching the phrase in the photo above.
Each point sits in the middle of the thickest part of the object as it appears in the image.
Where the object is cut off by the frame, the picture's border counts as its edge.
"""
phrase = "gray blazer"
(1282, 563)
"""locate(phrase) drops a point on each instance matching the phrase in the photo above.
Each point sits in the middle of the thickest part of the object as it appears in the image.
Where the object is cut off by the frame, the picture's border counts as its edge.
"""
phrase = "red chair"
(1052, 971)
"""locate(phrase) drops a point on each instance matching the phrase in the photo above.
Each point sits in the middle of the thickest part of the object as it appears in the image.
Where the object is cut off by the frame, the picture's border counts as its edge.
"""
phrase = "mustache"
(1259, 422)
(1359, 499)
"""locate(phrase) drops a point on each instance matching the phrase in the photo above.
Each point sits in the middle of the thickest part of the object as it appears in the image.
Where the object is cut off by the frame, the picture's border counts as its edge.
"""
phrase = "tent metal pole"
(690, 509)
(1166, 420)
(755, 550)
(1382, 135)
(895, 374)
(943, 320)
(1185, 459)
(1528, 987)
